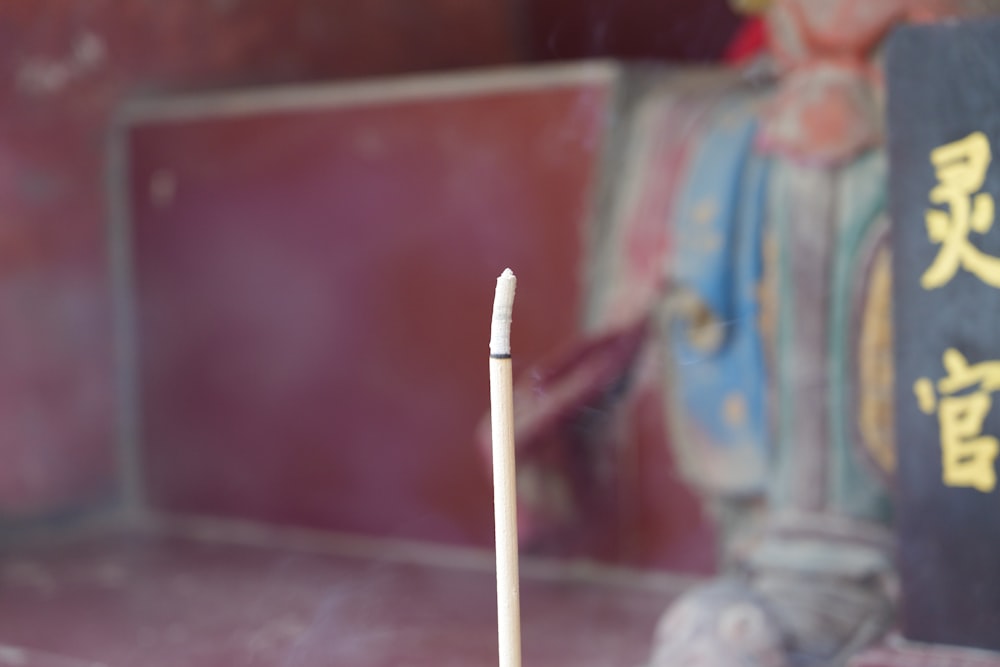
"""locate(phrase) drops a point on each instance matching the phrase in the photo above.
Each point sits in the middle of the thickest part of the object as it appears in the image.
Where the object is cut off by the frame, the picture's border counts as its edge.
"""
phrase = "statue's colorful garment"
(718, 354)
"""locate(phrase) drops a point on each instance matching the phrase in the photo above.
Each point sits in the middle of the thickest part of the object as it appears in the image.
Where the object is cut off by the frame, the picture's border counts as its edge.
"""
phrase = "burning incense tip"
(503, 306)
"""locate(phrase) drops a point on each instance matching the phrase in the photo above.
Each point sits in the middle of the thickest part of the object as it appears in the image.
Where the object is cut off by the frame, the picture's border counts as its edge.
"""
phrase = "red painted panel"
(314, 289)
(66, 65)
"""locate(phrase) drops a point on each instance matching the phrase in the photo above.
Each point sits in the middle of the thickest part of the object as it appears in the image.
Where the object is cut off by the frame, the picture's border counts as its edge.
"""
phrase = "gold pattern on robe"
(705, 211)
(967, 456)
(734, 409)
(704, 330)
(961, 169)
(875, 366)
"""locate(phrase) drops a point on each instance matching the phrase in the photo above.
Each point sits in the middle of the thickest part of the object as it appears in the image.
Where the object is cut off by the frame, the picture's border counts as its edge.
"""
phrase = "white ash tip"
(503, 306)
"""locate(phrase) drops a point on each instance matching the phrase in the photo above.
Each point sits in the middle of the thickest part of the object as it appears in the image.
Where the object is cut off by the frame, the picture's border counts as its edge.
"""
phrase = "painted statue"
(764, 288)
(798, 297)
(796, 185)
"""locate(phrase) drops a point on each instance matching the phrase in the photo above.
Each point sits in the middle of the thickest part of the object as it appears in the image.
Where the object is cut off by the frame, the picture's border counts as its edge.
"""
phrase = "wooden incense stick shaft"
(504, 486)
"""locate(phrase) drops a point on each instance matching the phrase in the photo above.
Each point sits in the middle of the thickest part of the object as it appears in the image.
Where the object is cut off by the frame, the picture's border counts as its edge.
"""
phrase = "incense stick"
(504, 504)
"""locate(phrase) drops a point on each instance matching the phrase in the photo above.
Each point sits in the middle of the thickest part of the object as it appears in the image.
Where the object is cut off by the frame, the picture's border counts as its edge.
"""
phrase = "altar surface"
(181, 596)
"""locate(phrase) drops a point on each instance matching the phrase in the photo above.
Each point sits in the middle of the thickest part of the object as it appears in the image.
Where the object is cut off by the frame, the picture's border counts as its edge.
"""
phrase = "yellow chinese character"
(961, 169)
(967, 456)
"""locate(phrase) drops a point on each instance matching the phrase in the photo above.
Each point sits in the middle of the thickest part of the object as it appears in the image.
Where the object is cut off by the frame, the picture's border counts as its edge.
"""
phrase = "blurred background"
(284, 249)
(67, 65)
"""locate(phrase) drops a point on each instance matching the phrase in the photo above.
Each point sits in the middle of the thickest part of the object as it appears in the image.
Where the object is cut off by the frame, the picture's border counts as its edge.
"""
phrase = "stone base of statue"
(811, 593)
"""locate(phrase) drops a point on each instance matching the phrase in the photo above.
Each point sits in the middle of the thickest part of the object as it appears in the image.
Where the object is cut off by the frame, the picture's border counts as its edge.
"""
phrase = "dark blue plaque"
(944, 150)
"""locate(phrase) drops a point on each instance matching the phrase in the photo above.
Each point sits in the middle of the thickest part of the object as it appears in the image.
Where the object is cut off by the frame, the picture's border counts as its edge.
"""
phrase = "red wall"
(314, 297)
(65, 64)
